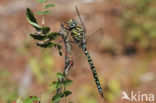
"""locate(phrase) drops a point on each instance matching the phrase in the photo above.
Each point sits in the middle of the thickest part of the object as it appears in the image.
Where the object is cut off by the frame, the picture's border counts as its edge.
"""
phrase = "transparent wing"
(93, 43)
(95, 39)
(97, 34)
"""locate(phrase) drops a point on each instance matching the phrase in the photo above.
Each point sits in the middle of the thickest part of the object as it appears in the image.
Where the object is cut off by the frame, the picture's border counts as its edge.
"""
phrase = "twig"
(68, 59)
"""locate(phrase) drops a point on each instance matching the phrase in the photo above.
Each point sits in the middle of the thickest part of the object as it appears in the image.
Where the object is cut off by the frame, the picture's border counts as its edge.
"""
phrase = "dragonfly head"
(72, 23)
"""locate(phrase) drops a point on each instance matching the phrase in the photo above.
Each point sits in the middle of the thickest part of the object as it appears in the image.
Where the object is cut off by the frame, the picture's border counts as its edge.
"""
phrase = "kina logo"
(138, 96)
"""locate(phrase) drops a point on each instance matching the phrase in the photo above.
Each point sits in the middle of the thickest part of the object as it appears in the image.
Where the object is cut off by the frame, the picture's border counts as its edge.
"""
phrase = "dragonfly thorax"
(77, 32)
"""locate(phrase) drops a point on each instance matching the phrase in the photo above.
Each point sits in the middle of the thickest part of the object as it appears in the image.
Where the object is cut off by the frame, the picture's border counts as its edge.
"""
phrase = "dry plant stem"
(68, 59)
(43, 16)
(43, 21)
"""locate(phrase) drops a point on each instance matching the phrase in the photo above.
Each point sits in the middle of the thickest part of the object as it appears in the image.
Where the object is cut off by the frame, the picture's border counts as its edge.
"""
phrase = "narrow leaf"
(59, 47)
(53, 35)
(46, 12)
(39, 13)
(67, 82)
(45, 45)
(31, 99)
(49, 5)
(67, 93)
(57, 97)
(60, 75)
(60, 53)
(31, 19)
(38, 37)
(56, 84)
(41, 1)
(45, 30)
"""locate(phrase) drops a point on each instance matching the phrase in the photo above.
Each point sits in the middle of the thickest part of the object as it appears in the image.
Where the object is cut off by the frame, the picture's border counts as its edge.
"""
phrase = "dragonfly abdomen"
(93, 71)
(78, 35)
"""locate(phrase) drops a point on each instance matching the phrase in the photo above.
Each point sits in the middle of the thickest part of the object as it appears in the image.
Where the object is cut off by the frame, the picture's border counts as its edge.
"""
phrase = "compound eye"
(75, 23)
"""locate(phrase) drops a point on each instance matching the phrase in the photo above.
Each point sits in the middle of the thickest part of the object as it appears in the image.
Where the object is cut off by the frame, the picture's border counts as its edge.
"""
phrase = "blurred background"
(125, 58)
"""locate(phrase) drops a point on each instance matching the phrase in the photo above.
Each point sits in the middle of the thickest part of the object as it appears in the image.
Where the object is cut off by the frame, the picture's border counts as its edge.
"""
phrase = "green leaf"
(46, 12)
(45, 45)
(56, 84)
(53, 35)
(60, 75)
(60, 53)
(67, 82)
(41, 1)
(39, 13)
(67, 93)
(57, 97)
(43, 13)
(59, 47)
(37, 36)
(31, 99)
(49, 5)
(45, 30)
(32, 20)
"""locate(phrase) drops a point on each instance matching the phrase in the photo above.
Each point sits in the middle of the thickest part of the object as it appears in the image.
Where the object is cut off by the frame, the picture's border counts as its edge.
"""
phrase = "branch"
(68, 53)
(68, 60)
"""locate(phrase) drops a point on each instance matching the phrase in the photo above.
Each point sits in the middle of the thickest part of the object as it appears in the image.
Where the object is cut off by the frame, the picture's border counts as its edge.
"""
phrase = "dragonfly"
(79, 35)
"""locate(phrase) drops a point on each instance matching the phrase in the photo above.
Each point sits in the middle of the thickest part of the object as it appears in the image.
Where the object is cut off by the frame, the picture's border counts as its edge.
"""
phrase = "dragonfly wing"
(95, 39)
